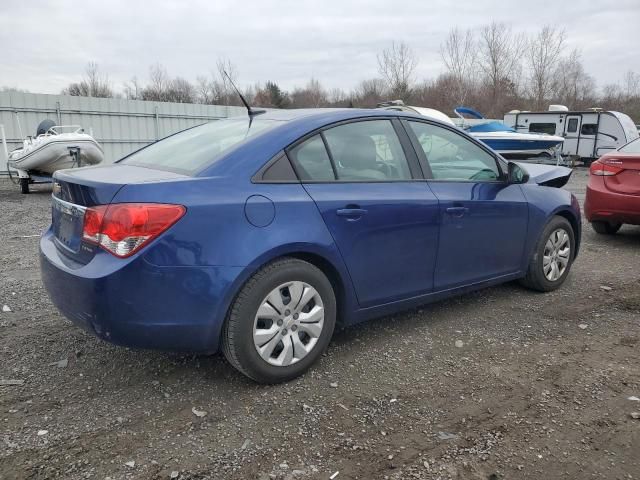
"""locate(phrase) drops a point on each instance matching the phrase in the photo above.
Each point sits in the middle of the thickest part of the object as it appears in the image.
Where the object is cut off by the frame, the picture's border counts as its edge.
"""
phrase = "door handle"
(457, 211)
(351, 212)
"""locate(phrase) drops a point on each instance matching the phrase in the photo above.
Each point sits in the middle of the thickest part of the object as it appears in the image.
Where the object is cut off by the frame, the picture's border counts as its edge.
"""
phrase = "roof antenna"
(250, 111)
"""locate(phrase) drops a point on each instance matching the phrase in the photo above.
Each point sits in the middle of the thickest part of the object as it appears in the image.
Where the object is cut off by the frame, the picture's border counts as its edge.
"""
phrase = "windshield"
(191, 150)
(632, 147)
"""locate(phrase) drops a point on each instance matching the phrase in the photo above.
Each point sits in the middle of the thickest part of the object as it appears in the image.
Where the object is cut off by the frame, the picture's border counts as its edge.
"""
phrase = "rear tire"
(606, 228)
(550, 250)
(267, 313)
(24, 185)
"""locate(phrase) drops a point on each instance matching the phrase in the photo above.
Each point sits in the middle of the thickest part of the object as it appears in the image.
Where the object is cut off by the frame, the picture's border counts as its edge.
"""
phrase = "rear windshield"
(191, 150)
(632, 147)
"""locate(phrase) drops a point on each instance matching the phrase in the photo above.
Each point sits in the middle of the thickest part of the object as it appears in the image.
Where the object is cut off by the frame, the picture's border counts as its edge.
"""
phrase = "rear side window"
(588, 129)
(367, 151)
(312, 161)
(195, 148)
(453, 157)
(548, 128)
(572, 125)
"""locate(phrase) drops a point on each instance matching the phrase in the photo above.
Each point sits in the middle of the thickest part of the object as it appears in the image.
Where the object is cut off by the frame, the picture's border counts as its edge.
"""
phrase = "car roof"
(330, 114)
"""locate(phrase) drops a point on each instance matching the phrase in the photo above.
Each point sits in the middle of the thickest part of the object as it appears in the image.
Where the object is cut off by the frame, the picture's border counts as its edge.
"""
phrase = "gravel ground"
(500, 384)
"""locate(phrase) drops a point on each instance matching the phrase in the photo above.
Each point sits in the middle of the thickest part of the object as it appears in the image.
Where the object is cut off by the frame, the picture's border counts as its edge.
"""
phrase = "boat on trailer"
(507, 141)
(55, 147)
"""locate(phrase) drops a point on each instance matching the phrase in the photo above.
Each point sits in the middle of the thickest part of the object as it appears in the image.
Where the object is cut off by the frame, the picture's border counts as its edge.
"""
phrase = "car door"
(483, 218)
(363, 177)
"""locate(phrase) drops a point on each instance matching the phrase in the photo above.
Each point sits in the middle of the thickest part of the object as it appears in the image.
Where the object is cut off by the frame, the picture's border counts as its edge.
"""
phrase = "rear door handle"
(351, 212)
(457, 211)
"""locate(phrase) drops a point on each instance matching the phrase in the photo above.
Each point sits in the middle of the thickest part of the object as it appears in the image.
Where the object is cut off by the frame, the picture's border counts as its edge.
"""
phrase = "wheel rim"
(288, 323)
(557, 253)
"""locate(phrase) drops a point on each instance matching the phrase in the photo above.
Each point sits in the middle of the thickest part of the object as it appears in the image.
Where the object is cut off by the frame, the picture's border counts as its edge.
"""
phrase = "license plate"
(68, 220)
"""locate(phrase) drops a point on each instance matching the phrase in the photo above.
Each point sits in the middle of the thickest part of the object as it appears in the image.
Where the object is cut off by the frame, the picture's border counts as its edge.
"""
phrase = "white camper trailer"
(587, 134)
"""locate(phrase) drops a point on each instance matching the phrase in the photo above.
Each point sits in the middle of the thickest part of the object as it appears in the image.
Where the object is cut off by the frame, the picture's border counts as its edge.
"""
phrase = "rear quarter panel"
(215, 231)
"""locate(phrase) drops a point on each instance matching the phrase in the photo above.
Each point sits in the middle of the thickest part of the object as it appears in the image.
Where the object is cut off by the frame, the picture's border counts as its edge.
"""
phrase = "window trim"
(410, 155)
(427, 166)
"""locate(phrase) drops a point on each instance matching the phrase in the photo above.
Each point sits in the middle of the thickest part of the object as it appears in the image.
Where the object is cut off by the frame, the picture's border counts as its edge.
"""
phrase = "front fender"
(544, 203)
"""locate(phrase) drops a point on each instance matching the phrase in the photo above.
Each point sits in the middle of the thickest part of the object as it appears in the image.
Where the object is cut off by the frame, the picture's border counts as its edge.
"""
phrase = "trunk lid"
(78, 189)
(627, 181)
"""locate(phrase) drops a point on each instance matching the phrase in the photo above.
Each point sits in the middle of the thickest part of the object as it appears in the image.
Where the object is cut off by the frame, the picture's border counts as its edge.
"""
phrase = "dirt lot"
(539, 388)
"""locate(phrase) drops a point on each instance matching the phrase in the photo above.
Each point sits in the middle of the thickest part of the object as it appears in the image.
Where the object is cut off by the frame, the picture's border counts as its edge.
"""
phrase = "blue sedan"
(257, 235)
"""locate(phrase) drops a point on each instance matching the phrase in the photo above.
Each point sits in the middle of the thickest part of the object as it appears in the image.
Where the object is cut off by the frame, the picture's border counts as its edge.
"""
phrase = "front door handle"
(457, 211)
(351, 212)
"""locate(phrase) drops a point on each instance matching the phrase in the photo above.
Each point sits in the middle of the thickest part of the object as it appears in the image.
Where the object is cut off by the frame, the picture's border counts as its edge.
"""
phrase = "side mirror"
(517, 174)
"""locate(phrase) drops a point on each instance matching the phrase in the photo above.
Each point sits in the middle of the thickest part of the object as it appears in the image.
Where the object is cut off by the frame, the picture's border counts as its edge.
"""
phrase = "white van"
(587, 134)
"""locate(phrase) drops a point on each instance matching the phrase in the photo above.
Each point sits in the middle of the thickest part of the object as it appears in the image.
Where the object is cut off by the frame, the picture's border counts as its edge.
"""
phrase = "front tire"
(552, 257)
(605, 228)
(281, 321)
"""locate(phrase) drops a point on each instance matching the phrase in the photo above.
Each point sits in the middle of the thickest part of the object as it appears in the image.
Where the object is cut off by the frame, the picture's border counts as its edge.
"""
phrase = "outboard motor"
(44, 126)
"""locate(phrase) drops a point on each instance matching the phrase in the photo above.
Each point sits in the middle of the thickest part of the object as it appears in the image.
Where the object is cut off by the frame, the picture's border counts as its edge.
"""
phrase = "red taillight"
(606, 167)
(124, 228)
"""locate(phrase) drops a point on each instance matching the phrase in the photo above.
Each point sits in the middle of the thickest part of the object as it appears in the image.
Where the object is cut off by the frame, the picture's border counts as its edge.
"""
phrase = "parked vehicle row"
(258, 235)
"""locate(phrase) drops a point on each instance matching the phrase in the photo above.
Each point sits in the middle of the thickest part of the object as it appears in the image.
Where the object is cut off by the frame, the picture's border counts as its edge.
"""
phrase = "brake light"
(124, 228)
(606, 167)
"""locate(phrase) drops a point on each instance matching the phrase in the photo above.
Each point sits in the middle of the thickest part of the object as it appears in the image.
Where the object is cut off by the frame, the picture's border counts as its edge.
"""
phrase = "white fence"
(120, 126)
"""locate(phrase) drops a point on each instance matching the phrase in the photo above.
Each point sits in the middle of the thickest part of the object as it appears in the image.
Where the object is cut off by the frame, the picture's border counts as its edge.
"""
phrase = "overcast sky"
(46, 45)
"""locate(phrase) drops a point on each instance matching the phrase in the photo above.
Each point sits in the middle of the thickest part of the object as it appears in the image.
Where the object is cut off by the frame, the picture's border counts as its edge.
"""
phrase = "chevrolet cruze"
(258, 235)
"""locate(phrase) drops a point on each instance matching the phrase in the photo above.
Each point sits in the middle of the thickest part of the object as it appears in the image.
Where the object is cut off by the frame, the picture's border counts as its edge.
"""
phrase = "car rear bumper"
(602, 204)
(136, 304)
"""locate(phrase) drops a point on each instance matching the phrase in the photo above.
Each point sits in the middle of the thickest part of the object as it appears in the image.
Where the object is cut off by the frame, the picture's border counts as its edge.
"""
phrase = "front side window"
(588, 129)
(453, 157)
(367, 151)
(195, 148)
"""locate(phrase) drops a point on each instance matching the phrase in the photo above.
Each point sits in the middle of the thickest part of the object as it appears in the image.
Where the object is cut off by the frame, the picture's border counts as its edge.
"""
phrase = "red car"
(613, 192)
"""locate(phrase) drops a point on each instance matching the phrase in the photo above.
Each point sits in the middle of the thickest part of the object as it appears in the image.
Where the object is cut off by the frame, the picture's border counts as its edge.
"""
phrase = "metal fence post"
(58, 114)
(157, 122)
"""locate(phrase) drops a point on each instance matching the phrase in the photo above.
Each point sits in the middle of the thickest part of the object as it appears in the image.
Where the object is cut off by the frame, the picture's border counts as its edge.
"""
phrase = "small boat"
(55, 147)
(505, 140)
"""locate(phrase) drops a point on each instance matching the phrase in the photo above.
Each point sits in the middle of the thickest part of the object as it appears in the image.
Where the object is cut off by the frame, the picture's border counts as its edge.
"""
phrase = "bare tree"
(180, 91)
(543, 54)
(370, 92)
(226, 92)
(132, 89)
(205, 90)
(572, 85)
(631, 84)
(158, 85)
(397, 65)
(459, 54)
(312, 95)
(499, 52)
(94, 84)
(339, 98)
